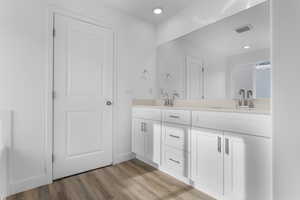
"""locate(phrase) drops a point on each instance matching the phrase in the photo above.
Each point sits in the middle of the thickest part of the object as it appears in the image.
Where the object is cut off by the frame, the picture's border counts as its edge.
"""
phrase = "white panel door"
(194, 78)
(83, 82)
(247, 167)
(207, 161)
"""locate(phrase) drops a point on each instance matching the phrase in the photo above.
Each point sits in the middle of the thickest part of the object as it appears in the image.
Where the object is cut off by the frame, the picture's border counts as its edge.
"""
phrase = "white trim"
(124, 157)
(145, 160)
(6, 138)
(115, 98)
(49, 101)
(27, 184)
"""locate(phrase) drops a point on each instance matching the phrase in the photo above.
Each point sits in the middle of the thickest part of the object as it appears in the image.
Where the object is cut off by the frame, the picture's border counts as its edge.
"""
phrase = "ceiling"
(143, 8)
(220, 38)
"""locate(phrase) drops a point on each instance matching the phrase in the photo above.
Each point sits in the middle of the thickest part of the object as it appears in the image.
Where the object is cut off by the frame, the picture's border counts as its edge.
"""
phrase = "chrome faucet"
(250, 99)
(172, 100)
(165, 96)
(246, 101)
(169, 100)
(242, 100)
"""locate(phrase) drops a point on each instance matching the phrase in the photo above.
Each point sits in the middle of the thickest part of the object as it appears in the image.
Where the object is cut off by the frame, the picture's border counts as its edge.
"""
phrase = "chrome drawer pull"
(227, 146)
(219, 144)
(175, 161)
(174, 116)
(174, 136)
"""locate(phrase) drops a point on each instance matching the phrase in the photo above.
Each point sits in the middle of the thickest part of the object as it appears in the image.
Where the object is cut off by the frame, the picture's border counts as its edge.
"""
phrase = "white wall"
(286, 98)
(23, 81)
(202, 13)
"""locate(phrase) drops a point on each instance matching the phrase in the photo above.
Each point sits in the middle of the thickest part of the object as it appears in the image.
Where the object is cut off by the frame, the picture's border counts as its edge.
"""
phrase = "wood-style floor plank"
(131, 180)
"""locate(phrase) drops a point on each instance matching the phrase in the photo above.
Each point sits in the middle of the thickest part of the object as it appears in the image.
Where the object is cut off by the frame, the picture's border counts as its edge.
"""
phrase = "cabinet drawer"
(176, 136)
(147, 113)
(177, 116)
(175, 161)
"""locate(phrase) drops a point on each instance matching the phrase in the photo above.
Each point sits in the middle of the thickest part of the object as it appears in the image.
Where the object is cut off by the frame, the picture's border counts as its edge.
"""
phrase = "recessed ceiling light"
(247, 47)
(157, 11)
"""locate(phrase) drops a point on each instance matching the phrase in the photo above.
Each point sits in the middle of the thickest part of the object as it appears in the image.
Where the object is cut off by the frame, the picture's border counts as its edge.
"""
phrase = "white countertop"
(212, 109)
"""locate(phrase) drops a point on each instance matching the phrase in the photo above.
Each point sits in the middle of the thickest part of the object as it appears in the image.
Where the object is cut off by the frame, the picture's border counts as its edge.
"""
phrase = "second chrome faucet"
(246, 101)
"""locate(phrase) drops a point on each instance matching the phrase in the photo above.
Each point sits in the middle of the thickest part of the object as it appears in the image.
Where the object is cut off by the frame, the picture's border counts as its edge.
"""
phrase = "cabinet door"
(207, 161)
(152, 131)
(247, 167)
(138, 138)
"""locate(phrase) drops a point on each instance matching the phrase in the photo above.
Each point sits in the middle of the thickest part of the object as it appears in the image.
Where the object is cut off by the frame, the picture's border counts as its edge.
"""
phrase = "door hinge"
(202, 69)
(52, 158)
(54, 32)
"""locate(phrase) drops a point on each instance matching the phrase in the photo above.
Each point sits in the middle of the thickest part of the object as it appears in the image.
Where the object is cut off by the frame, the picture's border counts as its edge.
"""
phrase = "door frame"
(49, 112)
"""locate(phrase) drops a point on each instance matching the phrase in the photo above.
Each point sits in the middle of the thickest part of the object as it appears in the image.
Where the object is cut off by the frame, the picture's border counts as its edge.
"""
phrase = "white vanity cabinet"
(247, 167)
(224, 154)
(146, 134)
(175, 143)
(175, 149)
(231, 166)
(207, 161)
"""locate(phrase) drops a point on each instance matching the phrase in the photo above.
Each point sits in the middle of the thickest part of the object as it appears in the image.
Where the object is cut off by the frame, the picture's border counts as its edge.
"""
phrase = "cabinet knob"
(108, 103)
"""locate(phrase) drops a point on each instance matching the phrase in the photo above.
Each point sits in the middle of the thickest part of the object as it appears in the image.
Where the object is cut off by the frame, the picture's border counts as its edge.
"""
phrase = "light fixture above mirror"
(157, 11)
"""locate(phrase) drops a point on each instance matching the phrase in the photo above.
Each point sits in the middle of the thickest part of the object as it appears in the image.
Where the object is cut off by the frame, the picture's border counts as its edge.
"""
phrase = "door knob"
(108, 103)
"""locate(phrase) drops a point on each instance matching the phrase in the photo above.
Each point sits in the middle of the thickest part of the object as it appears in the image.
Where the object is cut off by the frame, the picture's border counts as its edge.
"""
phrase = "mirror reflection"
(223, 60)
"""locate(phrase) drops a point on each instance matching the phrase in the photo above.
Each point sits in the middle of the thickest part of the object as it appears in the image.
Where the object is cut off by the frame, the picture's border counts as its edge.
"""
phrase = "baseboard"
(124, 157)
(206, 191)
(147, 161)
(37, 181)
(27, 184)
(178, 177)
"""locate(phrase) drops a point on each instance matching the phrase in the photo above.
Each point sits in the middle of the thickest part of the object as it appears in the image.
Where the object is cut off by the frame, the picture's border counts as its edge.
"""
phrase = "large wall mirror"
(217, 61)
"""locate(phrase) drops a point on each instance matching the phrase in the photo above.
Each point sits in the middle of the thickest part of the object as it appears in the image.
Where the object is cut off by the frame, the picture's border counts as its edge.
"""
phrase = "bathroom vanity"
(225, 153)
(221, 150)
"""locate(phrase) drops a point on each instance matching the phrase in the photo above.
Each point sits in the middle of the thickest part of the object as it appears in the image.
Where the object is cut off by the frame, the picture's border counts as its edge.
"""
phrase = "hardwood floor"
(132, 180)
